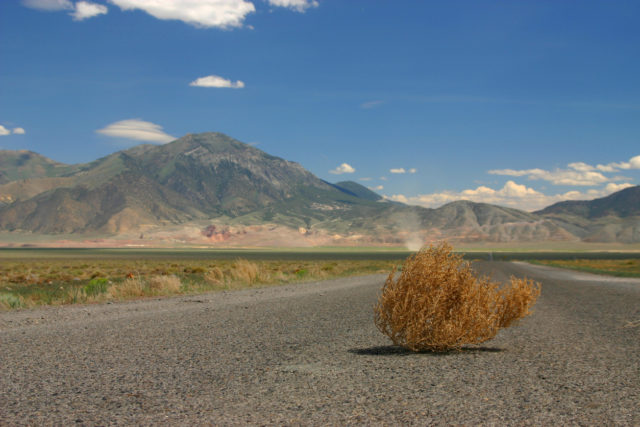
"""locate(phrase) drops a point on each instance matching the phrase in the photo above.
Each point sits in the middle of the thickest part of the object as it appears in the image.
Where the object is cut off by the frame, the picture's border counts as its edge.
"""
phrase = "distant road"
(311, 354)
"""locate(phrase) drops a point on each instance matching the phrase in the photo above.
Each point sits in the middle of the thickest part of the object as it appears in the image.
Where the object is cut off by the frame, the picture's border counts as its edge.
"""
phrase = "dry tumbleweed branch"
(437, 303)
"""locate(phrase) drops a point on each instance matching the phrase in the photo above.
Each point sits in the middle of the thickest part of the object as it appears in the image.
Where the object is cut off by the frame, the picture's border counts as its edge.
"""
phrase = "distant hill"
(212, 188)
(23, 164)
(614, 218)
(624, 203)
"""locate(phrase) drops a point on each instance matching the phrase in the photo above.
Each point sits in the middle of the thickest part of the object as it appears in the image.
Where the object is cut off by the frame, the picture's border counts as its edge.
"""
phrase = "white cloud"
(581, 167)
(377, 188)
(397, 170)
(297, 5)
(633, 163)
(85, 10)
(413, 170)
(343, 168)
(216, 81)
(371, 104)
(200, 13)
(137, 129)
(612, 187)
(511, 194)
(577, 173)
(4, 131)
(19, 131)
(48, 5)
(557, 177)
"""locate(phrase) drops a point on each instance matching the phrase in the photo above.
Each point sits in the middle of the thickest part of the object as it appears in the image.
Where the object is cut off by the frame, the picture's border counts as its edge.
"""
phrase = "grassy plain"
(611, 267)
(48, 276)
(31, 277)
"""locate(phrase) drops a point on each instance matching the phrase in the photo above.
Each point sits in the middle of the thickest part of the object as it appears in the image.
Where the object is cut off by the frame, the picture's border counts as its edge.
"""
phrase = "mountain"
(208, 187)
(195, 177)
(614, 218)
(23, 164)
(624, 203)
(357, 190)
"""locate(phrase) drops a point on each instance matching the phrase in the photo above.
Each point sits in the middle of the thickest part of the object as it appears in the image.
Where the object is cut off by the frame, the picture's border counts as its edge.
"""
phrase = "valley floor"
(310, 354)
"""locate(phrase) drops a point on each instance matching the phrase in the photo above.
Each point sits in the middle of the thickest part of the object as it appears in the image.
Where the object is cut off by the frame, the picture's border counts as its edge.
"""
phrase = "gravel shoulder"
(310, 354)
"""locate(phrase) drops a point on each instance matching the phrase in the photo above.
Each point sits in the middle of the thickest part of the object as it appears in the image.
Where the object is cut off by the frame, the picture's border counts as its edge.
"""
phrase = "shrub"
(438, 304)
(96, 286)
(214, 276)
(246, 271)
(165, 284)
(129, 287)
(9, 300)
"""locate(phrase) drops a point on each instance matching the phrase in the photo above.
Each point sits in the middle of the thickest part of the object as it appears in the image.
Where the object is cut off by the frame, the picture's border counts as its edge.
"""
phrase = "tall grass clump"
(437, 303)
(9, 300)
(128, 288)
(164, 284)
(137, 286)
(96, 286)
(247, 272)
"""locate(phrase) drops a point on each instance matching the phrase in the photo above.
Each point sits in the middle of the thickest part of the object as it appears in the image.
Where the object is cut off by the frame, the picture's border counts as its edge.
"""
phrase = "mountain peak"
(210, 139)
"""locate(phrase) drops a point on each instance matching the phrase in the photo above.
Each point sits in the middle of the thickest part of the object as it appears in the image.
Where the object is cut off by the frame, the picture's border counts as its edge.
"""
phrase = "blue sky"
(520, 104)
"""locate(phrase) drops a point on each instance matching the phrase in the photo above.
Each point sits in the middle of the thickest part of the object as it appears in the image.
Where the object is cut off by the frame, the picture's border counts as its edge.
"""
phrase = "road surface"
(310, 354)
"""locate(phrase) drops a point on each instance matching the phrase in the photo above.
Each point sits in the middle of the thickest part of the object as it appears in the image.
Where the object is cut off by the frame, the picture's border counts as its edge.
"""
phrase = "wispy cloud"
(633, 163)
(84, 10)
(48, 5)
(138, 130)
(377, 188)
(199, 13)
(557, 177)
(79, 11)
(510, 195)
(371, 104)
(297, 5)
(343, 168)
(217, 81)
(4, 131)
(576, 173)
(403, 170)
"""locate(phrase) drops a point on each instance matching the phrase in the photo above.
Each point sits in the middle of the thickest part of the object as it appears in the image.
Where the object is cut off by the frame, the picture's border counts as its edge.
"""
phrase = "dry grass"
(130, 287)
(247, 272)
(137, 287)
(438, 304)
(614, 267)
(165, 285)
(76, 278)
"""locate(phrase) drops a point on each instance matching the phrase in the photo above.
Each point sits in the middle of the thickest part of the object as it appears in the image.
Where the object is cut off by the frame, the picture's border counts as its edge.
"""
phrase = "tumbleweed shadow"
(394, 350)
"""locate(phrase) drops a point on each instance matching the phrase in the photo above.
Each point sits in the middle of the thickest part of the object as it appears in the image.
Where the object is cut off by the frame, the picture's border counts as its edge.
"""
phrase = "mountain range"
(210, 188)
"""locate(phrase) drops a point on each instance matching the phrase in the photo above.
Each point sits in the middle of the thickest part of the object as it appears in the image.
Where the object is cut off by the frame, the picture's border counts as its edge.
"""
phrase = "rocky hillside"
(224, 189)
(615, 218)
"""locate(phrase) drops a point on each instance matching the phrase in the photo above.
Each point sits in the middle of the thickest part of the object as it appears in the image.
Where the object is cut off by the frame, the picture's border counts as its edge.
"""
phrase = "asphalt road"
(310, 354)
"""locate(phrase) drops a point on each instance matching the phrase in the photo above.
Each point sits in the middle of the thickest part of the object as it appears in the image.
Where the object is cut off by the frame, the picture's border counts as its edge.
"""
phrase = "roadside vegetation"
(31, 282)
(611, 267)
